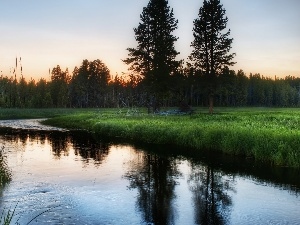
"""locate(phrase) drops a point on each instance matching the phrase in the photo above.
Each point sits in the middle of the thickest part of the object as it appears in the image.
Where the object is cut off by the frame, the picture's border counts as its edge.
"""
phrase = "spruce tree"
(154, 56)
(211, 45)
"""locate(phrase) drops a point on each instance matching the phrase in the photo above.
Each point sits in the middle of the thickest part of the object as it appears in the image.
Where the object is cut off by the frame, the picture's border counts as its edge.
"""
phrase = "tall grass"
(268, 135)
(8, 217)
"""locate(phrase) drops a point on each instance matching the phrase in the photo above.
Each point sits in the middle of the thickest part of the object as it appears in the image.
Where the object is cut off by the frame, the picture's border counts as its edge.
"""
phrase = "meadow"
(269, 135)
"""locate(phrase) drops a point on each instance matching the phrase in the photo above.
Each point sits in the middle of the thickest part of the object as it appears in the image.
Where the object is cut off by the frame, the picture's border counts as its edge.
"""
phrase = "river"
(65, 177)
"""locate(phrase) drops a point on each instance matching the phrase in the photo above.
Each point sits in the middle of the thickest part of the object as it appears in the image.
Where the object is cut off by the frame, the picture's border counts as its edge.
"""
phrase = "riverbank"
(267, 135)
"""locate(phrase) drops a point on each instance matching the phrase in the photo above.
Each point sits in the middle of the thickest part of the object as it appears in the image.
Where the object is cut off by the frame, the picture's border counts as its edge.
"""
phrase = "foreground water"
(72, 179)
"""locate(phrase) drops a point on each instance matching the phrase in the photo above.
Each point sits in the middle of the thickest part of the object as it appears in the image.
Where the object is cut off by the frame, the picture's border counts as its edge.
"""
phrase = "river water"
(70, 178)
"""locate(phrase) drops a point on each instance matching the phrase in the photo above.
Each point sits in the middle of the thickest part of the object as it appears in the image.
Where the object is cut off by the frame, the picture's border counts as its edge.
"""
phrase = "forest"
(91, 85)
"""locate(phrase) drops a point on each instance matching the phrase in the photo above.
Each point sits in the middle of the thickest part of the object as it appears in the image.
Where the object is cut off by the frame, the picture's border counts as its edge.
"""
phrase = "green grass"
(269, 135)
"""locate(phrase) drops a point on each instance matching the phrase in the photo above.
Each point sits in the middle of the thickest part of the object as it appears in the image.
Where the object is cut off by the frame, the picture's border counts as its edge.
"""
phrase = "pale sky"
(64, 32)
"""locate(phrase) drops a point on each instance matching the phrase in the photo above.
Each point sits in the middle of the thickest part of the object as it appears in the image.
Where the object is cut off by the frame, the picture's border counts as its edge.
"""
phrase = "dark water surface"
(78, 180)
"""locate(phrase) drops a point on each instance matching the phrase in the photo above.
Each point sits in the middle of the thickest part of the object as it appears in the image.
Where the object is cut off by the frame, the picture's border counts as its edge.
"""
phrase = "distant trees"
(154, 56)
(59, 87)
(211, 45)
(41, 92)
(89, 84)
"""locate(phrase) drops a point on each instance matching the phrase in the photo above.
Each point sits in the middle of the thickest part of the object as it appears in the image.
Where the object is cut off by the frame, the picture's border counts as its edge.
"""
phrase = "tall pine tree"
(211, 44)
(154, 56)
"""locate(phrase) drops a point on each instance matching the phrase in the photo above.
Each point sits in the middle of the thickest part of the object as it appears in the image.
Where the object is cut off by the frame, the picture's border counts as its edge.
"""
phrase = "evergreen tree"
(211, 44)
(154, 56)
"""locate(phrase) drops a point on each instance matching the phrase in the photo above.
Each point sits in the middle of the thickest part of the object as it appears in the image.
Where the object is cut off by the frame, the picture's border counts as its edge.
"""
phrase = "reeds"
(7, 217)
(10, 216)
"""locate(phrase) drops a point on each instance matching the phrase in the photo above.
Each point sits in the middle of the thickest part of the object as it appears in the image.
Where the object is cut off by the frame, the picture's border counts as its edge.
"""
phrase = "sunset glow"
(45, 34)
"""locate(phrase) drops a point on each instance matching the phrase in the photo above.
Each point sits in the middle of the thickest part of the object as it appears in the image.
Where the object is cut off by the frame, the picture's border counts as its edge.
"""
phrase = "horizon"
(264, 42)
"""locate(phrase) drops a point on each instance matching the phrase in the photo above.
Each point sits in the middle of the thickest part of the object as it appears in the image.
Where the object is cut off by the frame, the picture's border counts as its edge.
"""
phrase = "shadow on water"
(154, 173)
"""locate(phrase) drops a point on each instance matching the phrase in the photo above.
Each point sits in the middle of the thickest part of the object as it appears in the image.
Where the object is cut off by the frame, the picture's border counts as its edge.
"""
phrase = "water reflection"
(211, 197)
(83, 143)
(88, 148)
(280, 177)
(130, 184)
(59, 144)
(154, 178)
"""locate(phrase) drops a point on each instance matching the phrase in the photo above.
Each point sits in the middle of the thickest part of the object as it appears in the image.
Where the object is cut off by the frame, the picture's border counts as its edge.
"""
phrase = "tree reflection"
(23, 137)
(88, 148)
(210, 188)
(59, 143)
(153, 177)
(39, 137)
(83, 143)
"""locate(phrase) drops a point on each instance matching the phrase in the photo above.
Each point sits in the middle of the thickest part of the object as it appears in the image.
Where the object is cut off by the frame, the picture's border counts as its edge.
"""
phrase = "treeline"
(91, 85)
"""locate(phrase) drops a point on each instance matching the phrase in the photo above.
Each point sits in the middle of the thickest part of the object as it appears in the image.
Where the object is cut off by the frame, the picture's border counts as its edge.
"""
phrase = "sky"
(65, 32)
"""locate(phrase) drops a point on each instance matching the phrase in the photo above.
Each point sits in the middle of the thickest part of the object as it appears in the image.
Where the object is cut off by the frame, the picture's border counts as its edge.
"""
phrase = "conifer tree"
(211, 45)
(154, 56)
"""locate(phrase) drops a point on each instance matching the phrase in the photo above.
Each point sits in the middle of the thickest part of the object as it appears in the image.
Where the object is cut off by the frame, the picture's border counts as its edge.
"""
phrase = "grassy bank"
(268, 135)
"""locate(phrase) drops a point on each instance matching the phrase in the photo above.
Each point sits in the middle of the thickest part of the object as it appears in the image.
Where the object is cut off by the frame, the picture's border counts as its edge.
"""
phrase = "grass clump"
(7, 217)
(5, 175)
